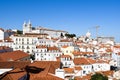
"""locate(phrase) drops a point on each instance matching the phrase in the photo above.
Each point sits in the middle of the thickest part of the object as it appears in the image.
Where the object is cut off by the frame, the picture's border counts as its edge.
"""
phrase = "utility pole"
(97, 27)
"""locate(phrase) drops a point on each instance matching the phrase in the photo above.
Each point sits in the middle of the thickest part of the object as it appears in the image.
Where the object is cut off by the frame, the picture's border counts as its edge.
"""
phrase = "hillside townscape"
(39, 53)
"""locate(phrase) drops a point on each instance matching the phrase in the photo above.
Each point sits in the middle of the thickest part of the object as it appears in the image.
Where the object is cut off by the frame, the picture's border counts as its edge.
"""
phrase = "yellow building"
(68, 50)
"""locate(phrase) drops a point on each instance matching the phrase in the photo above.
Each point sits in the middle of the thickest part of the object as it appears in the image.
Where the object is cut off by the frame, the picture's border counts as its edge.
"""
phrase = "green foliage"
(19, 32)
(98, 76)
(61, 35)
(70, 35)
(32, 57)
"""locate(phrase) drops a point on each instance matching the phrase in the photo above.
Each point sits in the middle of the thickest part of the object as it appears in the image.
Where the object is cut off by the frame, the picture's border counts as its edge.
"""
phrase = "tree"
(32, 57)
(61, 35)
(98, 76)
(19, 32)
(70, 35)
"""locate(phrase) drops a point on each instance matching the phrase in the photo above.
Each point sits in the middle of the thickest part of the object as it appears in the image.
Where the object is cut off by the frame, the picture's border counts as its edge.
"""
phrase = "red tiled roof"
(46, 74)
(47, 77)
(2, 29)
(81, 61)
(65, 46)
(13, 74)
(53, 48)
(78, 68)
(87, 77)
(48, 66)
(107, 73)
(92, 61)
(8, 39)
(109, 50)
(34, 34)
(40, 46)
(14, 64)
(117, 46)
(65, 40)
(4, 47)
(69, 70)
(77, 53)
(14, 56)
(65, 56)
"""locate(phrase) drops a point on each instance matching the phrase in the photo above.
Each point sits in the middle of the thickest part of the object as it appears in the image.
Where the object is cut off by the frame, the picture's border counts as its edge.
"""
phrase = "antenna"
(97, 27)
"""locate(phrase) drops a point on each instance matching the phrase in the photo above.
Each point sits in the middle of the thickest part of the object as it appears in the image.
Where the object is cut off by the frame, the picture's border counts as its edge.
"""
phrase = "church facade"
(28, 28)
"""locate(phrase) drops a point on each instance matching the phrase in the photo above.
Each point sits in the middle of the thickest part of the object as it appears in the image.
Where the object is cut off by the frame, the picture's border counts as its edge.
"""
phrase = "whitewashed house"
(67, 61)
(65, 42)
(101, 65)
(43, 53)
(84, 64)
(116, 57)
(25, 43)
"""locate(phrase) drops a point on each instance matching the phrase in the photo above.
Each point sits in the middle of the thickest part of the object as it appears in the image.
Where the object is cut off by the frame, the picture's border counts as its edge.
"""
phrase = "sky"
(74, 16)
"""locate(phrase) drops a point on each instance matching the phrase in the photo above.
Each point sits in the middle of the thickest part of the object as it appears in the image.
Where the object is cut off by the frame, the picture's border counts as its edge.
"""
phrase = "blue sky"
(74, 16)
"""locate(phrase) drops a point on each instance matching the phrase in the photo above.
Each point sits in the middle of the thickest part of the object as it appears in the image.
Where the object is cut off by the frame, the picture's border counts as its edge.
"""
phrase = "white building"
(64, 42)
(28, 28)
(116, 57)
(102, 66)
(67, 61)
(24, 43)
(44, 53)
(3, 34)
(45, 41)
(84, 64)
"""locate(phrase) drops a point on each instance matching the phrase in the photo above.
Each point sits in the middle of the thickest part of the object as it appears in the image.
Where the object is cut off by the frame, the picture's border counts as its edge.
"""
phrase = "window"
(28, 47)
(27, 42)
(22, 39)
(22, 47)
(28, 52)
(84, 72)
(22, 42)
(67, 51)
(37, 54)
(27, 39)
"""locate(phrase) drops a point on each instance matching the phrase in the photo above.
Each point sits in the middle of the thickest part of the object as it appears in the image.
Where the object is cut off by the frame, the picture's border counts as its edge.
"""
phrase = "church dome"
(88, 34)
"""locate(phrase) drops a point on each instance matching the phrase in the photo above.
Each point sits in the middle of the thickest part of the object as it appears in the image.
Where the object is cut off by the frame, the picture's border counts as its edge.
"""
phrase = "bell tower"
(27, 27)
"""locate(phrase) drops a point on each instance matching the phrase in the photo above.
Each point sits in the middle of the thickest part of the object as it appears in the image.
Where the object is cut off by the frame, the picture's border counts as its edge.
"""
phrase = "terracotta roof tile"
(65, 46)
(109, 50)
(77, 53)
(41, 46)
(2, 29)
(4, 47)
(14, 56)
(87, 77)
(81, 61)
(14, 64)
(117, 46)
(48, 66)
(13, 74)
(92, 61)
(65, 56)
(69, 70)
(107, 73)
(34, 34)
(8, 39)
(53, 48)
(78, 68)
(65, 40)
